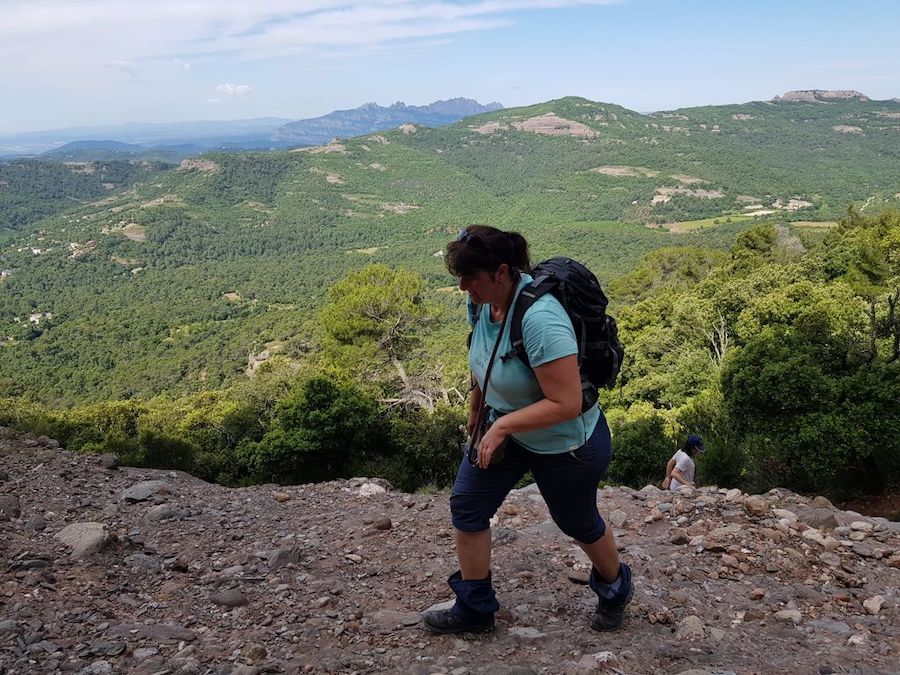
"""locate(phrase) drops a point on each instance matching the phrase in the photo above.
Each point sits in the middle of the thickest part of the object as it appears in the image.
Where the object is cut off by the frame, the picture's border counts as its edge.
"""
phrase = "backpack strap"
(543, 284)
(527, 297)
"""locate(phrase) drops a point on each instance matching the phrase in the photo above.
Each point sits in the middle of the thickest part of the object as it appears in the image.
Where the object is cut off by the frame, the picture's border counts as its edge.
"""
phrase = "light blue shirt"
(548, 335)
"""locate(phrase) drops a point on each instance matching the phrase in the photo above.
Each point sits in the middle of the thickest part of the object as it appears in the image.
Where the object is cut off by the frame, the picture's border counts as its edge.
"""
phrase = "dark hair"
(482, 248)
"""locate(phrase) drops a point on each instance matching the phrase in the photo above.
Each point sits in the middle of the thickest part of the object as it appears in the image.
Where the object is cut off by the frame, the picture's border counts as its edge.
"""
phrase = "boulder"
(37, 523)
(162, 512)
(819, 518)
(84, 538)
(383, 524)
(389, 618)
(784, 514)
(230, 597)
(756, 506)
(789, 615)
(618, 518)
(874, 604)
(142, 491)
(283, 557)
(9, 507)
(371, 489)
(678, 536)
(109, 462)
(690, 628)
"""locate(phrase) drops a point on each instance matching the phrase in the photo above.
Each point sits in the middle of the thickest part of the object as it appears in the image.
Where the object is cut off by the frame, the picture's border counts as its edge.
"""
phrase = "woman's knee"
(584, 531)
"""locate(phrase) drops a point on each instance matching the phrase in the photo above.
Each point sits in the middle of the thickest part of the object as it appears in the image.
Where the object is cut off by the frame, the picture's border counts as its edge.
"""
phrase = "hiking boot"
(448, 621)
(473, 611)
(610, 616)
(611, 604)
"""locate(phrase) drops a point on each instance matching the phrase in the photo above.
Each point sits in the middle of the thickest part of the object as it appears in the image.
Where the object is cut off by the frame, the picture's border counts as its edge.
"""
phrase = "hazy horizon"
(105, 63)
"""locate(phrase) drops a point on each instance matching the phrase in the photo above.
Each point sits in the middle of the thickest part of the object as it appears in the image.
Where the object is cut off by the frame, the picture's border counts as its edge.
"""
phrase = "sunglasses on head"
(473, 240)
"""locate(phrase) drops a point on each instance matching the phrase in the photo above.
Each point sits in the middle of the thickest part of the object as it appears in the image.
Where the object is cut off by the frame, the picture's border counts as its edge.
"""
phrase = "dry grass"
(619, 171)
(398, 207)
(198, 165)
(135, 232)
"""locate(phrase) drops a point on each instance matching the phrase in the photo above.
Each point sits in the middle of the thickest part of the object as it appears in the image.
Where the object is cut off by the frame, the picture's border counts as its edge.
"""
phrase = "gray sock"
(609, 591)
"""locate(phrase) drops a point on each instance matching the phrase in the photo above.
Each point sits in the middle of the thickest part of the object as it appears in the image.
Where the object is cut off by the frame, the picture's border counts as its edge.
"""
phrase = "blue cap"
(694, 441)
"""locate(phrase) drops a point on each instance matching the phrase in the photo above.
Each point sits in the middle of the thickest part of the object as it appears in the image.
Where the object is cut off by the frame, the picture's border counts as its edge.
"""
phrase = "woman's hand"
(666, 483)
(492, 439)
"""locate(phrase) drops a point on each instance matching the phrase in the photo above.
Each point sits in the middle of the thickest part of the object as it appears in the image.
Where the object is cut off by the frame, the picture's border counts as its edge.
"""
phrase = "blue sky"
(91, 62)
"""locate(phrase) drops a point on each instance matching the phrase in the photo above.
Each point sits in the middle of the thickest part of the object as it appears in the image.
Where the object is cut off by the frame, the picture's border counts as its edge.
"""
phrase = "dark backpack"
(600, 353)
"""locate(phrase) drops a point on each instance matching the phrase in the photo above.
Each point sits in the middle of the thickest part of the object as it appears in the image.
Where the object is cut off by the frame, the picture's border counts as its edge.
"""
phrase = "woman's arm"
(679, 476)
(560, 383)
(667, 481)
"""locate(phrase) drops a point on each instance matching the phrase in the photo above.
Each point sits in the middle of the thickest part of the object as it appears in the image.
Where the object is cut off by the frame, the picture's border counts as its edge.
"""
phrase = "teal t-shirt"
(548, 335)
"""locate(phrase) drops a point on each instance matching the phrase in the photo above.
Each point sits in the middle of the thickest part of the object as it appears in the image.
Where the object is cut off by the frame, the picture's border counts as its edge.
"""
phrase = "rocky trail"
(125, 570)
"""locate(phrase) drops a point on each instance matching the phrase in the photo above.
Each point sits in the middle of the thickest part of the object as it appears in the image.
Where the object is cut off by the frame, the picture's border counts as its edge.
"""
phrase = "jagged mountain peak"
(372, 117)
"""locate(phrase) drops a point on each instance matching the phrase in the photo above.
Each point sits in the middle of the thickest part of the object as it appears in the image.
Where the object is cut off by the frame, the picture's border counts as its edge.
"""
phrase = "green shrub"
(641, 449)
(723, 463)
(162, 451)
(424, 448)
(23, 415)
(317, 434)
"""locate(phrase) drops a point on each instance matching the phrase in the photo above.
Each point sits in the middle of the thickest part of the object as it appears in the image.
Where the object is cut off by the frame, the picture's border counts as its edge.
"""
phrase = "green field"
(692, 225)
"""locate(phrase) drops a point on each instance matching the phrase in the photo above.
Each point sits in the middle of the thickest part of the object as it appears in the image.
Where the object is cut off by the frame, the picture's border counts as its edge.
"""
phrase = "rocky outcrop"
(84, 538)
(332, 578)
(819, 95)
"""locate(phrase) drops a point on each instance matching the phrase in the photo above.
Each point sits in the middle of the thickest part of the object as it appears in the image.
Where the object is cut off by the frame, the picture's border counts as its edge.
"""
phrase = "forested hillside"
(171, 284)
(788, 363)
(212, 277)
(31, 191)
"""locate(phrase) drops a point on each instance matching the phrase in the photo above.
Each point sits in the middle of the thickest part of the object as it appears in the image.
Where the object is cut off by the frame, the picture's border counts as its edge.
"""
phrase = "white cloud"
(228, 89)
(108, 31)
(80, 51)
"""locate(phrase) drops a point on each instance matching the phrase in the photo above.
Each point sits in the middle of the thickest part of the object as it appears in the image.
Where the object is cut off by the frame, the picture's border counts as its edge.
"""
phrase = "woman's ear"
(500, 271)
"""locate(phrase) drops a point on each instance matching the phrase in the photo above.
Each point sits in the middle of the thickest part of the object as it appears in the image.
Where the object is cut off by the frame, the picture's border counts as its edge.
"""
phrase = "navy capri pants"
(567, 481)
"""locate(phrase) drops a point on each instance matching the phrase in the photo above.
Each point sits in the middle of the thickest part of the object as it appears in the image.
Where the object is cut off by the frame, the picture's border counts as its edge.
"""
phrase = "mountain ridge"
(183, 139)
(371, 117)
(178, 140)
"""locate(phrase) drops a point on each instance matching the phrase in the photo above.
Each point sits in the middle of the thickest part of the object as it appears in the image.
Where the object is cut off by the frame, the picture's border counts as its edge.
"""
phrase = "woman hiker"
(680, 469)
(535, 423)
